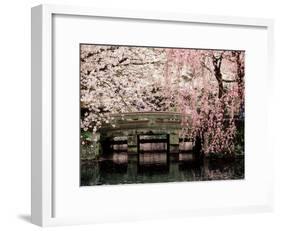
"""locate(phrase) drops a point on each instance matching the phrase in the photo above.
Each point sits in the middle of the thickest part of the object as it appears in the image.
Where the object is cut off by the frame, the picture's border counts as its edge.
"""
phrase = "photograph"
(152, 114)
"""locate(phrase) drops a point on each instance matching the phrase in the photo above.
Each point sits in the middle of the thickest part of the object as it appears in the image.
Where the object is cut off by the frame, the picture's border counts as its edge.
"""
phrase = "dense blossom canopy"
(205, 86)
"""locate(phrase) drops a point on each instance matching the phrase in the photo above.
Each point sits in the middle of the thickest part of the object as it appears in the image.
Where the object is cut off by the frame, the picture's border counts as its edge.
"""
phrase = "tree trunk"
(217, 71)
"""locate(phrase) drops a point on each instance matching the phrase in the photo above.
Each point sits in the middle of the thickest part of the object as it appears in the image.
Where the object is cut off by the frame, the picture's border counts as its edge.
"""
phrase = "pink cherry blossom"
(205, 86)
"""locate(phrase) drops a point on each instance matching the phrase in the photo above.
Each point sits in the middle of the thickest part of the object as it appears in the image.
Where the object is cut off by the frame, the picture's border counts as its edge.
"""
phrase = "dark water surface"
(120, 168)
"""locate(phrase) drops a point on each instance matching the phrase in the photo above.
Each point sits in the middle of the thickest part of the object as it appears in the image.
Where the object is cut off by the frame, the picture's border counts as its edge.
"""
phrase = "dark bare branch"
(229, 80)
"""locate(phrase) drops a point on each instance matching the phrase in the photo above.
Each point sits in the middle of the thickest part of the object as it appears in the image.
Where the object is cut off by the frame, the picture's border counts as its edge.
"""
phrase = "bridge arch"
(134, 125)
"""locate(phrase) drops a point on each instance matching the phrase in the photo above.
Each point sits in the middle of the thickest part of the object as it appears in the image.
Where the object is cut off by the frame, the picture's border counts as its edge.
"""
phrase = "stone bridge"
(135, 129)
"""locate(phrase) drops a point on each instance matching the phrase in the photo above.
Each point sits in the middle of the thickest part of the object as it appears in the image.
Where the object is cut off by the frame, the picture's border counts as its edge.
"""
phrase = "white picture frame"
(43, 100)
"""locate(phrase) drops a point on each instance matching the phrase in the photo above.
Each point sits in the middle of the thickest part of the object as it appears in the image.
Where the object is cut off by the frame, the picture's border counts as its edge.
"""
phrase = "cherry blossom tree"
(212, 97)
(205, 86)
(119, 79)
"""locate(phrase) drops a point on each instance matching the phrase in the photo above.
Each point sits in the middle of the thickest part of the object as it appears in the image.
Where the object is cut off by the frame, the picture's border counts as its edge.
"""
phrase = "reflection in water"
(153, 163)
(121, 168)
(120, 158)
(185, 156)
(152, 158)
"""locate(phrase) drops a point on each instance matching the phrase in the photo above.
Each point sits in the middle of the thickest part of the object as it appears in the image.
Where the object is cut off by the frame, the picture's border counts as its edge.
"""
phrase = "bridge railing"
(142, 120)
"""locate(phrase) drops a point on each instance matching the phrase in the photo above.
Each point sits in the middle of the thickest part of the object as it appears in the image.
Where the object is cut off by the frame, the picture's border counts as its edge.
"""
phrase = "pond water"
(121, 168)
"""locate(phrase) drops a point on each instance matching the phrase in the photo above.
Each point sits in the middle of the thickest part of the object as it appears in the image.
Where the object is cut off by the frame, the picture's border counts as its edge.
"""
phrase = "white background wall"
(15, 112)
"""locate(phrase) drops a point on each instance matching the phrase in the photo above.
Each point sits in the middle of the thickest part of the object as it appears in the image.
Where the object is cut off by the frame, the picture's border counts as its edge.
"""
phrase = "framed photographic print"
(151, 114)
(141, 115)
